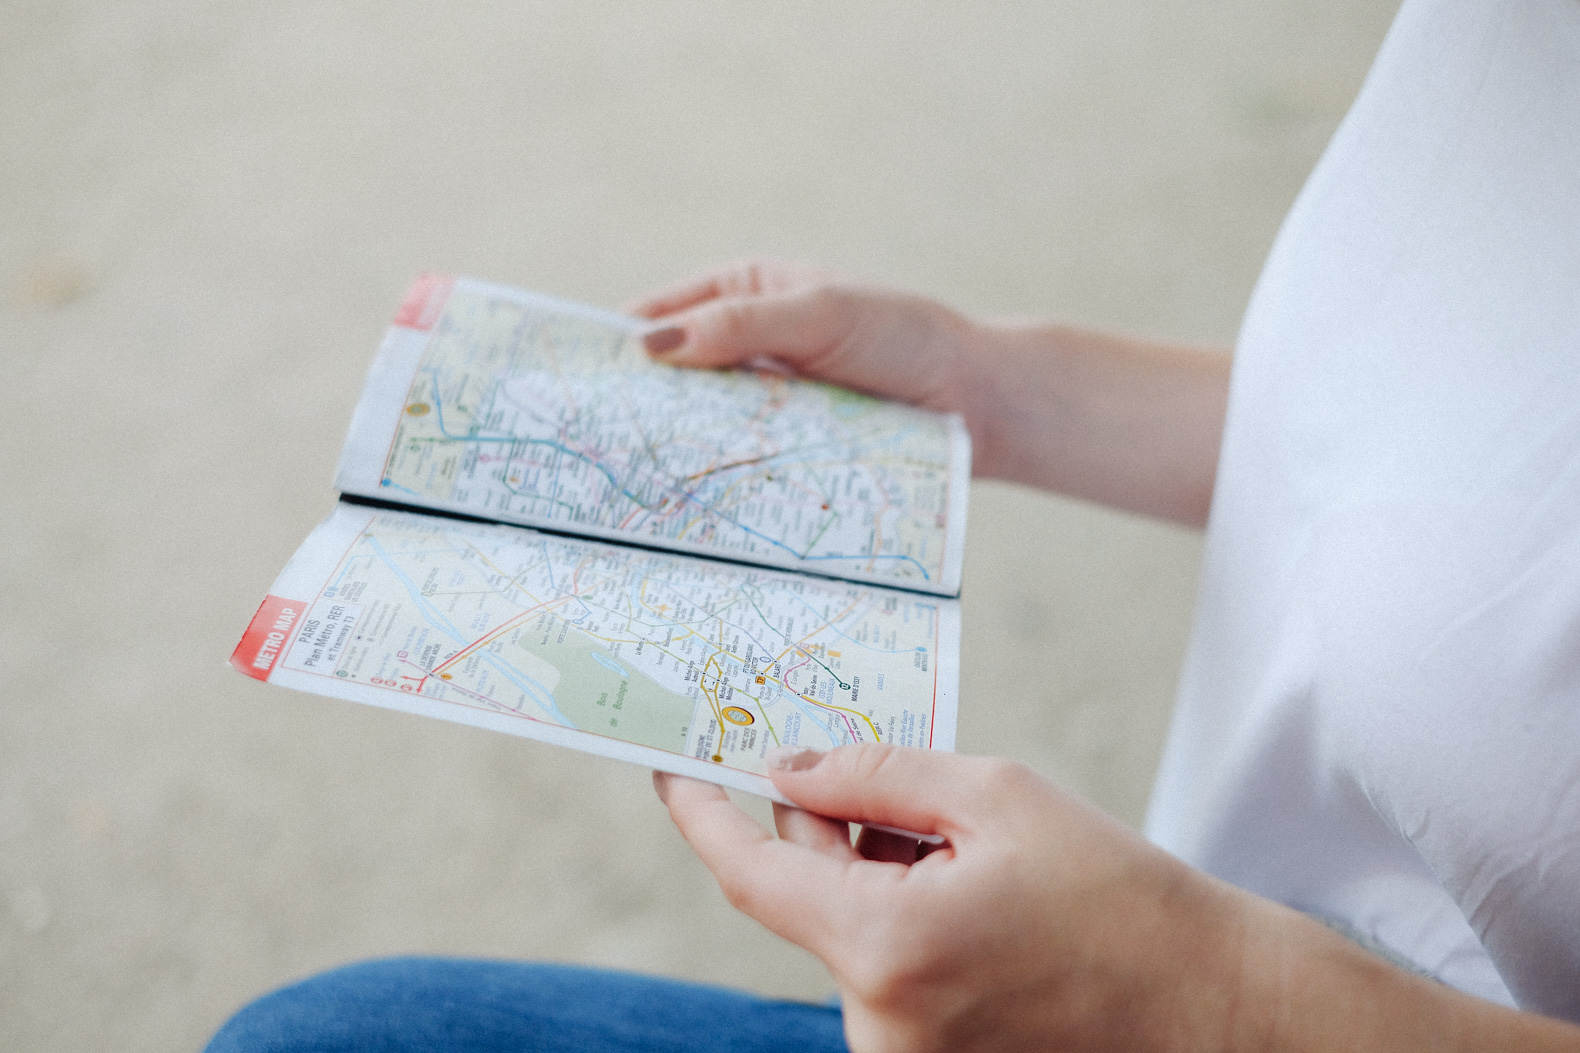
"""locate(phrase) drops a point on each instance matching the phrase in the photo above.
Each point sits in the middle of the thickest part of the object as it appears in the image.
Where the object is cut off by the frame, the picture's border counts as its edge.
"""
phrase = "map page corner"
(266, 636)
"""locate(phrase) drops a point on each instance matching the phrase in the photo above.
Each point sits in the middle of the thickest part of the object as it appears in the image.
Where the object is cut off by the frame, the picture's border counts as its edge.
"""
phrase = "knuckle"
(752, 276)
(720, 328)
(873, 979)
(867, 761)
(828, 298)
(744, 276)
(756, 273)
(735, 322)
(834, 311)
(1006, 778)
(891, 979)
(737, 894)
(829, 302)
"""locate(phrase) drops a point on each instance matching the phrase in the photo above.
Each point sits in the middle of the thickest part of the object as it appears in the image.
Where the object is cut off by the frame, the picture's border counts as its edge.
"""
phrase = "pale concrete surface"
(208, 213)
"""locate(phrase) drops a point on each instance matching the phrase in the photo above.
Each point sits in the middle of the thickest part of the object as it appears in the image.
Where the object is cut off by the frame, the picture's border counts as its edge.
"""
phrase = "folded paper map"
(544, 532)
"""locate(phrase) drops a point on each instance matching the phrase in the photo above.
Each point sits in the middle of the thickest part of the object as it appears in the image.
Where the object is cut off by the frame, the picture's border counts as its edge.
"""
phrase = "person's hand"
(883, 343)
(1043, 924)
(1125, 422)
(1040, 924)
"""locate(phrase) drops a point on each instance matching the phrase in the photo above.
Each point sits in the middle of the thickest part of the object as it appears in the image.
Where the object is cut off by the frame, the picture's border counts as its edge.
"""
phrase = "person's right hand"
(1042, 924)
(888, 344)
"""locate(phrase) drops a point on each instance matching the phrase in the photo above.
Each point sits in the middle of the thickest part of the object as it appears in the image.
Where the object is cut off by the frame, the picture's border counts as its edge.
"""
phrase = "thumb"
(928, 791)
(792, 327)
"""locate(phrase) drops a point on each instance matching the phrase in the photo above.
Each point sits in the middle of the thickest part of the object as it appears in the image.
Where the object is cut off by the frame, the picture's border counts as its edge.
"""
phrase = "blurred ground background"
(208, 212)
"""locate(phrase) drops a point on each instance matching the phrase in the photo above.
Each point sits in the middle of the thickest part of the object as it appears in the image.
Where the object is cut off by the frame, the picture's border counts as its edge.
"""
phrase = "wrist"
(1204, 950)
(1026, 383)
(1304, 988)
(982, 367)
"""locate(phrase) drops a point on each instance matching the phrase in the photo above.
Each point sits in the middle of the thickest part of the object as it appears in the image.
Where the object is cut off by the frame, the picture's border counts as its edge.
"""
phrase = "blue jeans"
(451, 1005)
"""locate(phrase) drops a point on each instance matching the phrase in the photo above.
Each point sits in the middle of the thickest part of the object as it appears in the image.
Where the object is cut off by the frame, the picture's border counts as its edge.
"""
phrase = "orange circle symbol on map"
(737, 715)
(417, 409)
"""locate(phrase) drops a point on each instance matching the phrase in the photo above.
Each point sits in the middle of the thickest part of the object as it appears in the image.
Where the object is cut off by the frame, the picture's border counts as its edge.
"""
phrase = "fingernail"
(661, 786)
(790, 758)
(658, 341)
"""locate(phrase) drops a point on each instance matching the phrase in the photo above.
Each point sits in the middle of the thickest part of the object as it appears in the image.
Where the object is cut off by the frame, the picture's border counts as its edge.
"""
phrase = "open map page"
(521, 409)
(683, 664)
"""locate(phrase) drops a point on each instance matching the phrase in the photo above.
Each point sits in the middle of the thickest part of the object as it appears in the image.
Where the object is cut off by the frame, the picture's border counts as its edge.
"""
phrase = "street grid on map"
(522, 412)
(716, 662)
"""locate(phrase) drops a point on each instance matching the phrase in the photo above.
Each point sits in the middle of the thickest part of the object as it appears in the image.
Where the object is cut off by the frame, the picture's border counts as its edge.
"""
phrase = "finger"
(678, 297)
(788, 887)
(880, 846)
(744, 278)
(796, 328)
(829, 836)
(923, 790)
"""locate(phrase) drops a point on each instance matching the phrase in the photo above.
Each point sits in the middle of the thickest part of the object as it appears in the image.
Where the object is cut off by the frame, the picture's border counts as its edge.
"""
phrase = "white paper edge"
(959, 501)
(303, 579)
(378, 411)
(946, 696)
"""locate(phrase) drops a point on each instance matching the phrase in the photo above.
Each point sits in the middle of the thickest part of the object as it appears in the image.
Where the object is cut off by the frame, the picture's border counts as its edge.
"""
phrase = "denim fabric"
(447, 1005)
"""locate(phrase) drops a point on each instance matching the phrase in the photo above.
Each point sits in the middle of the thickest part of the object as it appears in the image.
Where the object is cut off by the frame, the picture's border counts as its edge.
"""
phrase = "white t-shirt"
(1379, 717)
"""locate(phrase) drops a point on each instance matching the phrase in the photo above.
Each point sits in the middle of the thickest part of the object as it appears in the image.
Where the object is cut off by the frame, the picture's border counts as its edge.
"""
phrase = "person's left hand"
(1041, 923)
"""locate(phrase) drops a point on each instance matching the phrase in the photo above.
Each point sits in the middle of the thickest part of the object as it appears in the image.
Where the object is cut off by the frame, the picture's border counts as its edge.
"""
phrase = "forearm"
(1307, 989)
(1119, 421)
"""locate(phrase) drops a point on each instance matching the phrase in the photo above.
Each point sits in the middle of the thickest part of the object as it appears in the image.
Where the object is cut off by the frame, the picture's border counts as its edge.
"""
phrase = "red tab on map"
(265, 638)
(424, 302)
